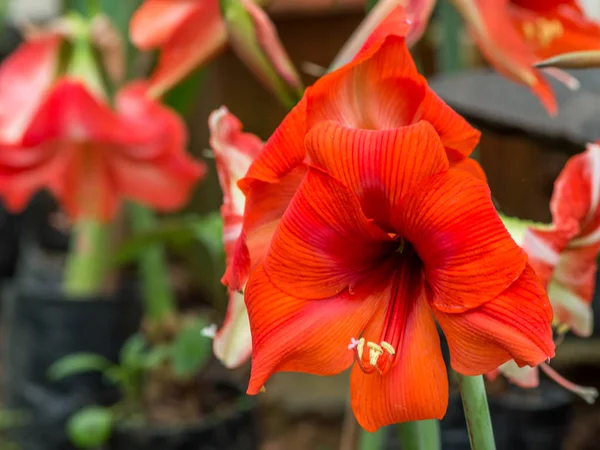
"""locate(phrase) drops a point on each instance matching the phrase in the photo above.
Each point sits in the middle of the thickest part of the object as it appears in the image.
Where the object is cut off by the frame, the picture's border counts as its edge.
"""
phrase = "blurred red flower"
(57, 134)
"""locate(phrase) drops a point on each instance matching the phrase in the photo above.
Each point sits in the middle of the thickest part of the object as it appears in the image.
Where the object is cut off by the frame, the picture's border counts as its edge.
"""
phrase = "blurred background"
(522, 151)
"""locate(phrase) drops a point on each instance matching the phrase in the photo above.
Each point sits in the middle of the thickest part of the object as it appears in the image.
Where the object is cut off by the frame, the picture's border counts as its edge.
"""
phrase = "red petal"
(155, 21)
(471, 166)
(309, 254)
(282, 152)
(160, 173)
(195, 41)
(576, 196)
(457, 135)
(295, 335)
(71, 112)
(233, 343)
(416, 387)
(468, 255)
(265, 204)
(515, 325)
(381, 167)
(385, 91)
(25, 78)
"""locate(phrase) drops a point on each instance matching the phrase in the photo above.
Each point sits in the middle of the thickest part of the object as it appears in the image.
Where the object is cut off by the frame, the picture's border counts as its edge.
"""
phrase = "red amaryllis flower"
(380, 89)
(361, 225)
(234, 152)
(380, 238)
(91, 157)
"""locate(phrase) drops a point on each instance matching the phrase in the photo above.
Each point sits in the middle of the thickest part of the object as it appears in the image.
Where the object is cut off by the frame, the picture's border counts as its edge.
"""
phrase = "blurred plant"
(190, 33)
(182, 358)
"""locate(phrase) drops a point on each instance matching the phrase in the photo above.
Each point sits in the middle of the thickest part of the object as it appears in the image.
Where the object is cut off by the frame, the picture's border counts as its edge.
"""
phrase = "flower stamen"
(378, 356)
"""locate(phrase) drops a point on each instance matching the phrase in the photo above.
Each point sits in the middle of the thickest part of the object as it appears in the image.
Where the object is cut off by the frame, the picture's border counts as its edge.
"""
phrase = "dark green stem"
(477, 412)
(160, 302)
(420, 435)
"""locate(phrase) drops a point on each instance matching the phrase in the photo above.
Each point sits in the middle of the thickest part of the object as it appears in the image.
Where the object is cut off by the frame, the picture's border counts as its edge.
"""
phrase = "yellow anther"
(263, 389)
(360, 347)
(376, 352)
(388, 348)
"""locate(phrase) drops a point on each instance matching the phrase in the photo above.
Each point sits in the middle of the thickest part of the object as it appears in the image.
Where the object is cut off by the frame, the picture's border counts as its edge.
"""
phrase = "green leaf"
(157, 356)
(191, 350)
(77, 363)
(177, 232)
(132, 353)
(91, 427)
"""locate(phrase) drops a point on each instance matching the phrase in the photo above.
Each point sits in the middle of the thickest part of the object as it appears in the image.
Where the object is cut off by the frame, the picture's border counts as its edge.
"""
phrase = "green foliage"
(77, 363)
(90, 427)
(191, 351)
(176, 232)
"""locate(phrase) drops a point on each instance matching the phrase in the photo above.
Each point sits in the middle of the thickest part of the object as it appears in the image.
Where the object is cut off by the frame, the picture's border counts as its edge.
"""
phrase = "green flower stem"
(160, 302)
(371, 441)
(87, 262)
(420, 435)
(477, 413)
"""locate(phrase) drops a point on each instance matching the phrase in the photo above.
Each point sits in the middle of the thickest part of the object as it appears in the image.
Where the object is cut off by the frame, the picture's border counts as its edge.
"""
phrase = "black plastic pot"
(233, 428)
(535, 418)
(41, 325)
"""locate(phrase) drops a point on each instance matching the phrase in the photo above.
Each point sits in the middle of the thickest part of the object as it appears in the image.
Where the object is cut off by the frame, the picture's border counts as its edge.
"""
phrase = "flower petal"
(572, 288)
(234, 153)
(525, 377)
(197, 39)
(310, 255)
(380, 167)
(416, 387)
(25, 78)
(295, 335)
(282, 152)
(576, 196)
(265, 204)
(155, 21)
(514, 325)
(468, 254)
(233, 342)
(160, 173)
(385, 91)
